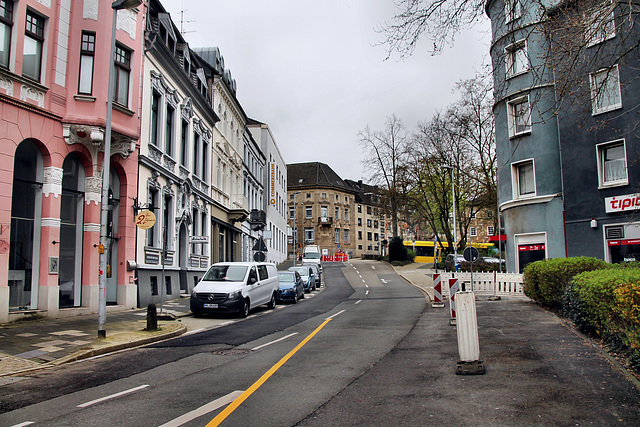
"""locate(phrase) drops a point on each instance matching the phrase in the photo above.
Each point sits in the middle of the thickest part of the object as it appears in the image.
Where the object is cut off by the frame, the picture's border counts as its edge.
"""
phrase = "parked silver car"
(316, 272)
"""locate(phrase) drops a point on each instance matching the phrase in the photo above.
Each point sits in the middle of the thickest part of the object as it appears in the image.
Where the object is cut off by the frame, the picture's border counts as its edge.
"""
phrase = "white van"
(235, 287)
(311, 255)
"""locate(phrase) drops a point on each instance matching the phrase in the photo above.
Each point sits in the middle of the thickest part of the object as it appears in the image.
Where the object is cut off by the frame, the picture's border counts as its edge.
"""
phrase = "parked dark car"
(316, 273)
(308, 278)
(291, 287)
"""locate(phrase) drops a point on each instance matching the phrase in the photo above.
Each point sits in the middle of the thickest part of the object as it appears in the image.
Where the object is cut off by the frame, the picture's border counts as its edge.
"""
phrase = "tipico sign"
(628, 202)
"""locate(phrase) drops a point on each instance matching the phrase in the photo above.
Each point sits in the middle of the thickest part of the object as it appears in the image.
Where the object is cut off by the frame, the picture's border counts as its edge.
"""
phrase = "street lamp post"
(104, 203)
(295, 230)
(455, 233)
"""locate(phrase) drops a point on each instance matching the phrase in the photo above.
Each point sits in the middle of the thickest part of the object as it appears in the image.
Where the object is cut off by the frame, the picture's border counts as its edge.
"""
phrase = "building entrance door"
(26, 213)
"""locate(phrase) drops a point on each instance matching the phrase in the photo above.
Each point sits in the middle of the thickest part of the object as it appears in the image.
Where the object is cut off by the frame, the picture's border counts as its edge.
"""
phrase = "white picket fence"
(493, 283)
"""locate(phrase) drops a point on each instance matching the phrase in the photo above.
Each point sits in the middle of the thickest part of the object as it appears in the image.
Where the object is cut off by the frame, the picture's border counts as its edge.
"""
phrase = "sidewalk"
(33, 344)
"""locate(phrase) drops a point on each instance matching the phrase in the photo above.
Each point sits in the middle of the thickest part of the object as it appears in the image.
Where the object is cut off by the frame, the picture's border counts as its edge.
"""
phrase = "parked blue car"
(291, 287)
(308, 278)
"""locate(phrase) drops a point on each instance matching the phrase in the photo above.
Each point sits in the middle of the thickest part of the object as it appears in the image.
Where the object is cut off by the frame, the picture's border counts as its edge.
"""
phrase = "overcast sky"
(313, 72)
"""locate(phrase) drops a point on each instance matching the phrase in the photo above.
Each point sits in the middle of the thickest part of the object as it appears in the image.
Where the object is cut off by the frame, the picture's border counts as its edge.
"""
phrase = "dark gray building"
(567, 150)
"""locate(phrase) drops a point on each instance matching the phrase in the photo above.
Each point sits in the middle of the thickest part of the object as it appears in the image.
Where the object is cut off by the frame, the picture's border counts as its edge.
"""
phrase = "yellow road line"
(232, 407)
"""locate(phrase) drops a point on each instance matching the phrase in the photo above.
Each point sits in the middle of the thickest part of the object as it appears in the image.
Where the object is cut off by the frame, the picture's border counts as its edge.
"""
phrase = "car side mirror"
(252, 280)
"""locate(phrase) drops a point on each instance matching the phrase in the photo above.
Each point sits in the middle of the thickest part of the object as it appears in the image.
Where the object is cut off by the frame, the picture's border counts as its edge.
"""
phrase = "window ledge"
(84, 98)
(613, 184)
(527, 201)
(607, 109)
(518, 135)
(123, 109)
(511, 76)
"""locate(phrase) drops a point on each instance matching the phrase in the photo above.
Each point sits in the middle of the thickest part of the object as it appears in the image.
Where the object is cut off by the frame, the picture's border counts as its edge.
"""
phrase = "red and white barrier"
(454, 286)
(335, 258)
(437, 291)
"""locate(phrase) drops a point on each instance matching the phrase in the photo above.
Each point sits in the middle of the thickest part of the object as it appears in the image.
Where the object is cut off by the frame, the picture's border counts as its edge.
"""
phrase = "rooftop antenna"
(182, 22)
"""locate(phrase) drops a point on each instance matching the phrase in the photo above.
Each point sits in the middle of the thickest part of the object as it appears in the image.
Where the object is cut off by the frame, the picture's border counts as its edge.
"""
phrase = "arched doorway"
(113, 213)
(71, 231)
(26, 216)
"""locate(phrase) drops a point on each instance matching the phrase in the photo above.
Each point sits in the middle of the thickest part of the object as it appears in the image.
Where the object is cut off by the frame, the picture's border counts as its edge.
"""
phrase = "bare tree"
(385, 156)
(470, 119)
(429, 189)
(439, 21)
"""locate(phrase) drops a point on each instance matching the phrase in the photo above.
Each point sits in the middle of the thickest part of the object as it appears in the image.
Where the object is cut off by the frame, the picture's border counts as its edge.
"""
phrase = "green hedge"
(546, 281)
(609, 305)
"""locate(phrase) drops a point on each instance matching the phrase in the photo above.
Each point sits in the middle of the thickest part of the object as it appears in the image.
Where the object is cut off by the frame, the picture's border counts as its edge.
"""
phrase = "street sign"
(471, 254)
(259, 257)
(260, 245)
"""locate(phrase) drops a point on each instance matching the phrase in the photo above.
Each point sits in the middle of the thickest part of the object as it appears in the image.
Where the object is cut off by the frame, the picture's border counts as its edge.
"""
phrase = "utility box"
(467, 331)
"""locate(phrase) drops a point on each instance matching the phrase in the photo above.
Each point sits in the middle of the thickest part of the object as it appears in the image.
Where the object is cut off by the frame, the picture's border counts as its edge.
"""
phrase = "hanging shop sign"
(145, 220)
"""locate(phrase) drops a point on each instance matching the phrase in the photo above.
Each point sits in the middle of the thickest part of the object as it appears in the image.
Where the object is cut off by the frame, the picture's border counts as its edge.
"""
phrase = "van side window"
(252, 274)
(272, 270)
(262, 270)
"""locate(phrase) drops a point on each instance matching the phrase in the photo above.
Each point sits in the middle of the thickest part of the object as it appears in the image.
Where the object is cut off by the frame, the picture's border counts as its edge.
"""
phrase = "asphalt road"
(288, 363)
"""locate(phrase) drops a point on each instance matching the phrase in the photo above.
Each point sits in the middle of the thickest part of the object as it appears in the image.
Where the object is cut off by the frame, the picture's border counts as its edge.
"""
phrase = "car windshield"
(311, 255)
(226, 273)
(287, 277)
(303, 271)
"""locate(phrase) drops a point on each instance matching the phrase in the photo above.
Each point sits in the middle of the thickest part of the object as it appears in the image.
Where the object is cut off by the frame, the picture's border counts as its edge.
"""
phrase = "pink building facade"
(54, 63)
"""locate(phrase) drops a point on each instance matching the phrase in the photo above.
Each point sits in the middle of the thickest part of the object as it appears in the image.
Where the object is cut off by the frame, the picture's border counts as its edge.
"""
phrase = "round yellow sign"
(145, 220)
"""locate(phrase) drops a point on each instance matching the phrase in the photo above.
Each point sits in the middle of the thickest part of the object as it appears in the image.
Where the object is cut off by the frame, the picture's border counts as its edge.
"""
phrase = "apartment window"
(324, 195)
(368, 223)
(605, 90)
(512, 10)
(87, 52)
(359, 247)
(168, 130)
(196, 154)
(346, 214)
(375, 236)
(519, 116)
(308, 212)
(346, 236)
(359, 208)
(517, 59)
(369, 235)
(184, 141)
(368, 210)
(359, 235)
(122, 62)
(292, 213)
(292, 196)
(205, 161)
(155, 117)
(473, 231)
(601, 25)
(152, 202)
(308, 235)
(524, 179)
(612, 163)
(359, 221)
(308, 195)
(153, 281)
(490, 230)
(324, 211)
(167, 209)
(33, 42)
(337, 213)
(336, 236)
(6, 22)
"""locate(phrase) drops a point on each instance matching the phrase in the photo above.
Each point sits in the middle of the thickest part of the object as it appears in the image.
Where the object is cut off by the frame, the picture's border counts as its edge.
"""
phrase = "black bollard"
(152, 317)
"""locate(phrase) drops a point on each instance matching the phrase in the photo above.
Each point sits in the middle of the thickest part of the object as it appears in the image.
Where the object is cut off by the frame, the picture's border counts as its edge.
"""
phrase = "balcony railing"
(325, 220)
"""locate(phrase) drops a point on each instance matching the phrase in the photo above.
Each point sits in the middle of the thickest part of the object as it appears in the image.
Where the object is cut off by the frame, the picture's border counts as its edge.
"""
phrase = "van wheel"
(245, 308)
(272, 303)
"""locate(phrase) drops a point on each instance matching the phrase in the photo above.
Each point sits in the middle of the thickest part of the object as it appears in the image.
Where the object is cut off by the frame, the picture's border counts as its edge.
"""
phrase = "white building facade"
(275, 188)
